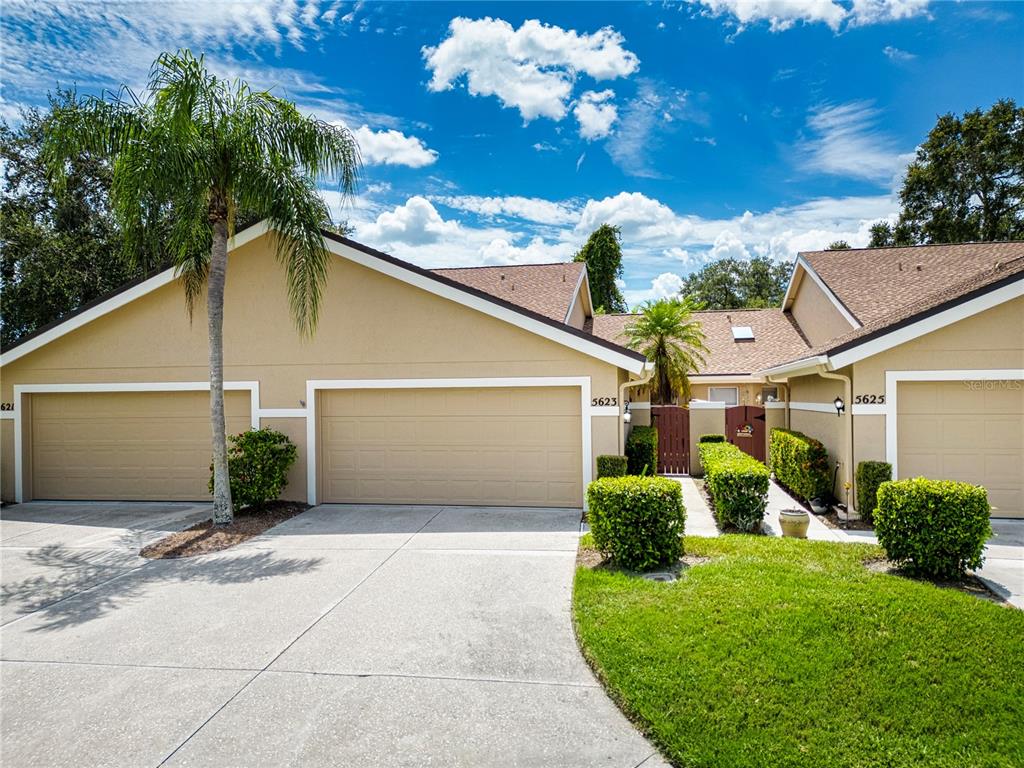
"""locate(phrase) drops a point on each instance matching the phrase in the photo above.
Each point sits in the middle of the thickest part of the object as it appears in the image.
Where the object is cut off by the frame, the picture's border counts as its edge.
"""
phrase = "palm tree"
(197, 150)
(666, 333)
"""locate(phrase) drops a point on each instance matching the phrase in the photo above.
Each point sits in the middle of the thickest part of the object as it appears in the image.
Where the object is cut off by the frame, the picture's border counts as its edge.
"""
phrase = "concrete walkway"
(355, 635)
(1003, 569)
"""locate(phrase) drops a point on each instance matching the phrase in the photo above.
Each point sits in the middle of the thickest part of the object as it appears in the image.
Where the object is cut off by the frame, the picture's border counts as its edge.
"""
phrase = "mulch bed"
(833, 520)
(203, 538)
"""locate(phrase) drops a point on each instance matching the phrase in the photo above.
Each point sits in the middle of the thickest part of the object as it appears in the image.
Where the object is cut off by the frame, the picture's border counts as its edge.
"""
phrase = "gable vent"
(742, 333)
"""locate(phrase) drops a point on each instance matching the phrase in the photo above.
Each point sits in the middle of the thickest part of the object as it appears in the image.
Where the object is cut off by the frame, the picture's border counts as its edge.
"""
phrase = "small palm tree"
(197, 150)
(666, 333)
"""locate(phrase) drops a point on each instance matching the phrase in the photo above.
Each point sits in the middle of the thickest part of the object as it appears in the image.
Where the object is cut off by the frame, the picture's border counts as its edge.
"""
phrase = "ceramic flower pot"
(794, 523)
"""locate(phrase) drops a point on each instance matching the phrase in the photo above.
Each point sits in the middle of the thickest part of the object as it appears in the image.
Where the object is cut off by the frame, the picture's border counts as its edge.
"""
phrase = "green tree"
(57, 251)
(602, 253)
(211, 148)
(966, 182)
(838, 245)
(738, 284)
(668, 335)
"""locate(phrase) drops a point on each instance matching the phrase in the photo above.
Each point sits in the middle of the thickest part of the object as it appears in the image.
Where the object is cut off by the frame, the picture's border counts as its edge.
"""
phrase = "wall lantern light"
(626, 415)
(840, 406)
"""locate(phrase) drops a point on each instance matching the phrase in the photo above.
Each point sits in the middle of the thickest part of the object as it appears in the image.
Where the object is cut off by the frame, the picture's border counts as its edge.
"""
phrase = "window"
(727, 395)
(769, 394)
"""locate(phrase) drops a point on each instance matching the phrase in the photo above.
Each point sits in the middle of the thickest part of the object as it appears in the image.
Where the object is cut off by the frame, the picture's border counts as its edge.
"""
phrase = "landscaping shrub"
(870, 475)
(642, 451)
(611, 466)
(258, 464)
(712, 438)
(800, 463)
(737, 484)
(935, 528)
(637, 521)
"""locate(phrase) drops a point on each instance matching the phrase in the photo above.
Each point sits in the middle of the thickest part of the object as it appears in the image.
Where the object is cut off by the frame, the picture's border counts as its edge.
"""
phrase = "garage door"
(965, 431)
(516, 446)
(126, 445)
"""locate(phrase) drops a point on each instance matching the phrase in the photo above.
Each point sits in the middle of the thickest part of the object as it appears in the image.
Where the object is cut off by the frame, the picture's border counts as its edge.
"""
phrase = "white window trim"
(728, 405)
(801, 262)
(893, 379)
(253, 387)
(979, 304)
(316, 385)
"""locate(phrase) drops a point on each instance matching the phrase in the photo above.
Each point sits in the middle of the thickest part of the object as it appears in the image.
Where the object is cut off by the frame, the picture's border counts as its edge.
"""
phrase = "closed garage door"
(974, 432)
(126, 445)
(515, 446)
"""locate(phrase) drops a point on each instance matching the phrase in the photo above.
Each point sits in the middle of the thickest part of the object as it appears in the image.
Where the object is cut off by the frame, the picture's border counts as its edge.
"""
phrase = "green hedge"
(737, 484)
(637, 521)
(800, 463)
(935, 528)
(870, 475)
(712, 438)
(642, 451)
(258, 465)
(611, 466)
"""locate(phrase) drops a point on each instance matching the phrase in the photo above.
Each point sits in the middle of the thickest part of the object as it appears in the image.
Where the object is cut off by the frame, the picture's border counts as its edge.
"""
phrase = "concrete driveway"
(350, 635)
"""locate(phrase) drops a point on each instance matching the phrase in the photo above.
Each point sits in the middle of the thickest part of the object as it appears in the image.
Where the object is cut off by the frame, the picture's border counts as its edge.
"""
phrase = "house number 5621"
(605, 401)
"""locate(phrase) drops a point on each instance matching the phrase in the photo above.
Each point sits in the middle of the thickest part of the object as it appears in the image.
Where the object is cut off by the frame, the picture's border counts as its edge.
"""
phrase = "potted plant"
(794, 522)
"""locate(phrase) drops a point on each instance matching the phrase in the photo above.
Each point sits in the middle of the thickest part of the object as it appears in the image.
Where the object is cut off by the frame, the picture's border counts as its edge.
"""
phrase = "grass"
(783, 652)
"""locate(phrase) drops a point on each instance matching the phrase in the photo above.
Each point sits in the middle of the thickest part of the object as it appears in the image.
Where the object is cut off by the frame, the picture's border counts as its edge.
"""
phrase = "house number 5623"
(605, 401)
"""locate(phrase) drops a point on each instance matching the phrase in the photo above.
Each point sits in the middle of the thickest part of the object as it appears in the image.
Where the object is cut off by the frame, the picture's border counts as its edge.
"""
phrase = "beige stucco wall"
(703, 421)
(748, 393)
(814, 312)
(371, 326)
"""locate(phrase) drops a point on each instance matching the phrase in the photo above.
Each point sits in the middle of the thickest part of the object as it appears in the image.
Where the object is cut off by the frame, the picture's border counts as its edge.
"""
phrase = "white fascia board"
(805, 265)
(487, 307)
(742, 378)
(806, 365)
(77, 321)
(575, 294)
(986, 301)
(791, 285)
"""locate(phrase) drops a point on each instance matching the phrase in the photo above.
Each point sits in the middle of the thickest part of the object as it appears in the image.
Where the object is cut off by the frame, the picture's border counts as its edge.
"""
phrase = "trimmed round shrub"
(637, 522)
(934, 528)
(870, 475)
(612, 466)
(642, 451)
(737, 484)
(711, 438)
(800, 463)
(258, 464)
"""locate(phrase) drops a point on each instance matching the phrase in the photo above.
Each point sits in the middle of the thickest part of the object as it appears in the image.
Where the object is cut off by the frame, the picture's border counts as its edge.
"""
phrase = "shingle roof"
(875, 283)
(776, 338)
(547, 289)
(943, 297)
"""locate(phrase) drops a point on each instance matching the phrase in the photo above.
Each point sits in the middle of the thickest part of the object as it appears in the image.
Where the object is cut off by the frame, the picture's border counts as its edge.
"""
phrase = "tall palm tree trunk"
(222, 512)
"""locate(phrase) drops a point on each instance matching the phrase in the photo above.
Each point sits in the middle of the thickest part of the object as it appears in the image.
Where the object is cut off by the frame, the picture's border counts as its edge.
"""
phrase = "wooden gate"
(673, 423)
(745, 428)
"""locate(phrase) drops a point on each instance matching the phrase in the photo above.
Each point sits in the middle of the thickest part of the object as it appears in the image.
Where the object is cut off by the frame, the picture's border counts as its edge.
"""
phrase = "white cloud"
(416, 222)
(666, 284)
(533, 68)
(644, 119)
(847, 142)
(391, 147)
(785, 14)
(896, 54)
(543, 146)
(595, 114)
(728, 246)
(536, 251)
(526, 208)
(641, 218)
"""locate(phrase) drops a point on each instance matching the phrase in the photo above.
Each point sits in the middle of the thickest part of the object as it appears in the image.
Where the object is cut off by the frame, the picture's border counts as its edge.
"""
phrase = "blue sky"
(504, 132)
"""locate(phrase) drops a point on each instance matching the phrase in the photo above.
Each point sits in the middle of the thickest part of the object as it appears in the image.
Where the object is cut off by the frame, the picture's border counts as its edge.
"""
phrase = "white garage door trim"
(893, 378)
(315, 385)
(253, 387)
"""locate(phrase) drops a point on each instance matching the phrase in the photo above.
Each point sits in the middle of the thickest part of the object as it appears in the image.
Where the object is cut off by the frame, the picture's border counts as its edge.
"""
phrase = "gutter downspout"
(848, 426)
(645, 377)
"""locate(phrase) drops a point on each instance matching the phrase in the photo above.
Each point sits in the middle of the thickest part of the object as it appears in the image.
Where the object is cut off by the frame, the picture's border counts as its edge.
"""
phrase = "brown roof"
(776, 338)
(942, 298)
(547, 289)
(875, 283)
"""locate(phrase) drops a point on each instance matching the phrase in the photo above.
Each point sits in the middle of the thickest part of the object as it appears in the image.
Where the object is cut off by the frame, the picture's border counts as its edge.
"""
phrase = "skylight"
(742, 333)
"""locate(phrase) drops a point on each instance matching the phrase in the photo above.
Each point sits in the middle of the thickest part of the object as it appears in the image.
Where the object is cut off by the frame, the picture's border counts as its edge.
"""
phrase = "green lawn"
(781, 652)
